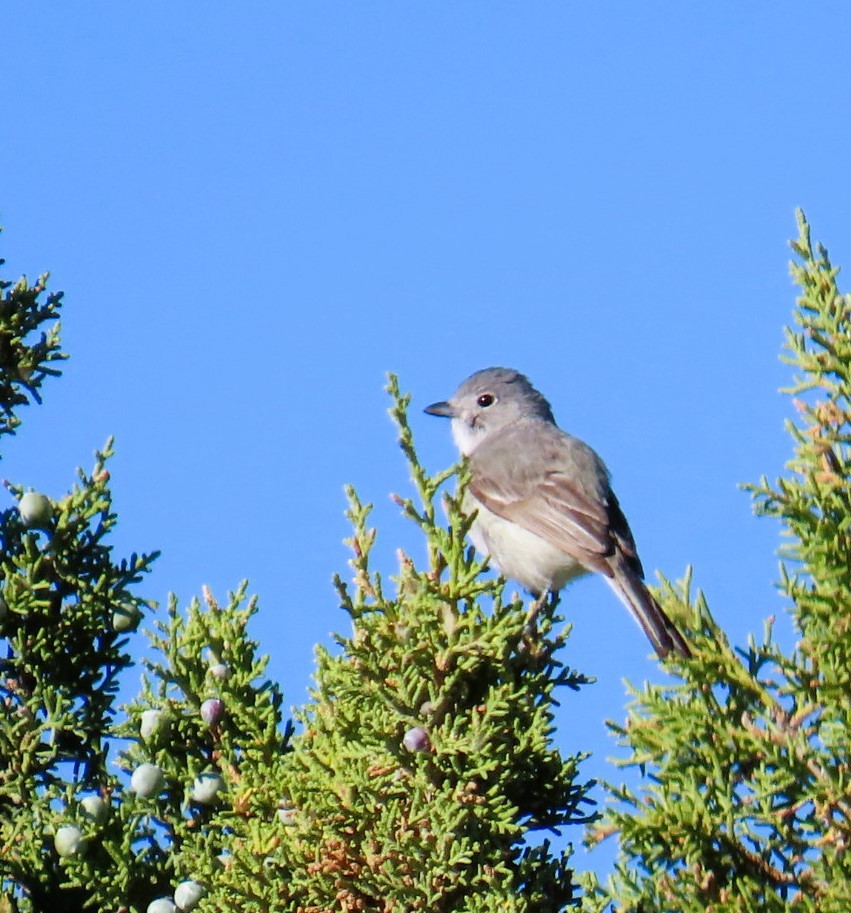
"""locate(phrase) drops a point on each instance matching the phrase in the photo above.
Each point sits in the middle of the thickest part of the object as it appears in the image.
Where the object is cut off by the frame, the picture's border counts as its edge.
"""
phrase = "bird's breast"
(519, 554)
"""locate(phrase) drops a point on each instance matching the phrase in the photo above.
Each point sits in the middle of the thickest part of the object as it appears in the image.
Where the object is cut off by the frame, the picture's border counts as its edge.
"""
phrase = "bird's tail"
(660, 630)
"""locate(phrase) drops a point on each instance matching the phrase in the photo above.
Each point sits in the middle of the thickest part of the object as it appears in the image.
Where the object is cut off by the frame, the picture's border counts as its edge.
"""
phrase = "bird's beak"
(447, 410)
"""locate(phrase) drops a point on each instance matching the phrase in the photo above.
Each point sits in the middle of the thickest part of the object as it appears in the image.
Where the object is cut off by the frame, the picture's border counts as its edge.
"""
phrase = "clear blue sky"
(258, 209)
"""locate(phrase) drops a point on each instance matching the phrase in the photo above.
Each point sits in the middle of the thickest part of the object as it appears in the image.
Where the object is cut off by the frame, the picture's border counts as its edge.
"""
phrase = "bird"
(545, 511)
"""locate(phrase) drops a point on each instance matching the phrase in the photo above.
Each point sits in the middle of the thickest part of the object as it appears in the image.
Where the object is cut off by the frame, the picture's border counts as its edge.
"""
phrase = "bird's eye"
(486, 399)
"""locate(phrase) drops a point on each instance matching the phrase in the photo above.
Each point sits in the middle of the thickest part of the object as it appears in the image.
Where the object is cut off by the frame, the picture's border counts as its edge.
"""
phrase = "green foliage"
(63, 653)
(747, 805)
(201, 655)
(75, 832)
(424, 776)
(425, 761)
(26, 359)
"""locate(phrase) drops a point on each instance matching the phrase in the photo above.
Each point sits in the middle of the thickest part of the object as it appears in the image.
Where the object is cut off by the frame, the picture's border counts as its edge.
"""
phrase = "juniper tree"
(65, 608)
(204, 741)
(746, 803)
(83, 826)
(425, 766)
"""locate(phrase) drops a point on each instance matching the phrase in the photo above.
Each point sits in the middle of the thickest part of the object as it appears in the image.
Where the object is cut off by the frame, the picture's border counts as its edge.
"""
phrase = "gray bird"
(546, 512)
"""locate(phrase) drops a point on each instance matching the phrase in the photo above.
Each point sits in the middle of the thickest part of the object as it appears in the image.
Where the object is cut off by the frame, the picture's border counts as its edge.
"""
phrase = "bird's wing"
(561, 495)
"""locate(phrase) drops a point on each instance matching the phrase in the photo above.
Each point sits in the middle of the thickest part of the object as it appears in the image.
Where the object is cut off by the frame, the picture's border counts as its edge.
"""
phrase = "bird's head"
(488, 401)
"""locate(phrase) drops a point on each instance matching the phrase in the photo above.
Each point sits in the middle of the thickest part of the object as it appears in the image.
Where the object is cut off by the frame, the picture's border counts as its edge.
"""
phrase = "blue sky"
(256, 210)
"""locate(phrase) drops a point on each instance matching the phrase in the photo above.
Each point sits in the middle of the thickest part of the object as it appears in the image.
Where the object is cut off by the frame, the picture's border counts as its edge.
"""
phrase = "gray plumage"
(546, 512)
